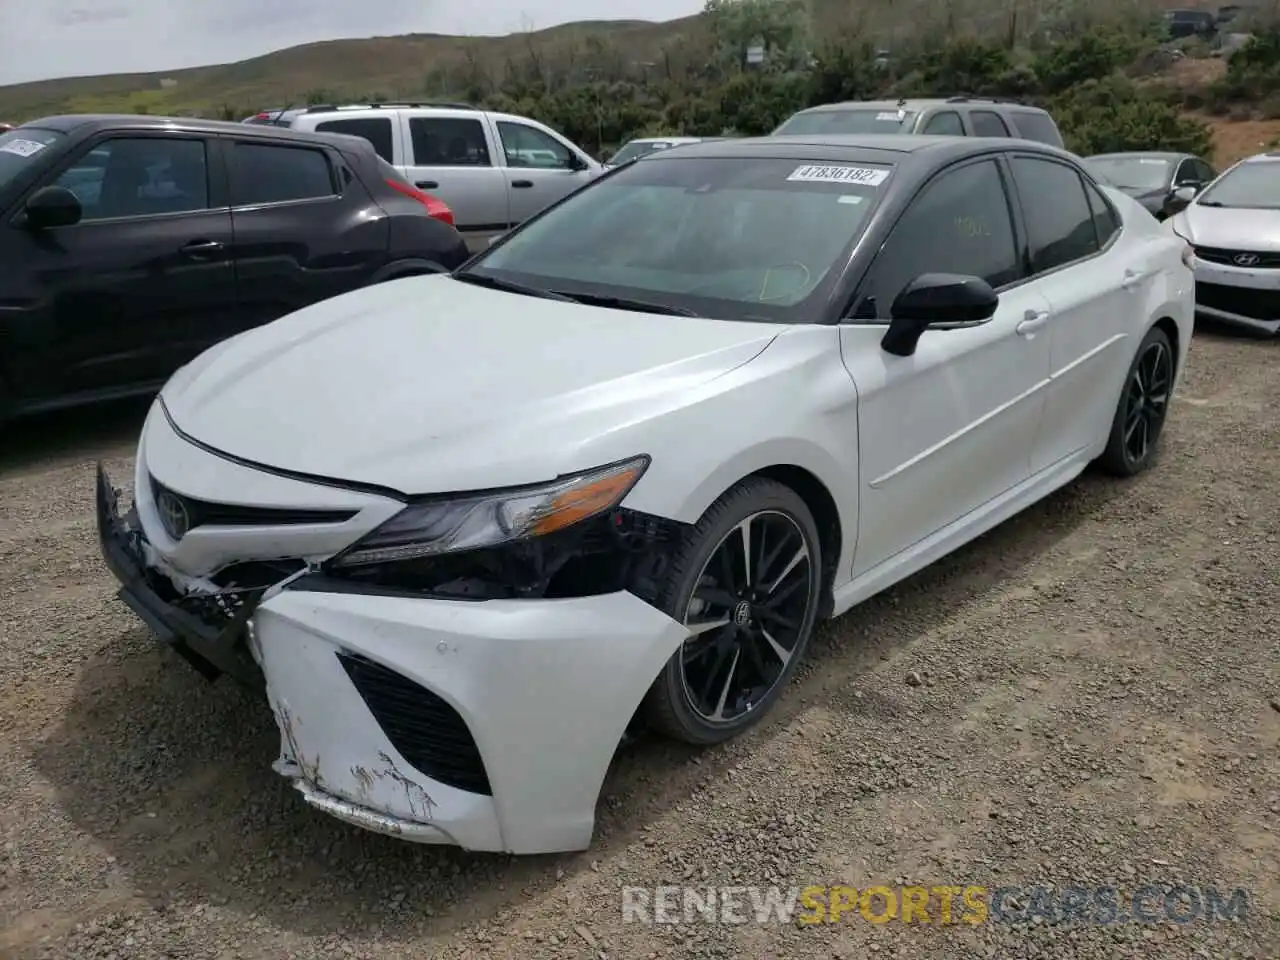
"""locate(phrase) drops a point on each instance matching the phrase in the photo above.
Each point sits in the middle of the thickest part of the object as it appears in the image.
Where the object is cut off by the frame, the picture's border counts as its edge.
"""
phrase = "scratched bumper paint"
(547, 688)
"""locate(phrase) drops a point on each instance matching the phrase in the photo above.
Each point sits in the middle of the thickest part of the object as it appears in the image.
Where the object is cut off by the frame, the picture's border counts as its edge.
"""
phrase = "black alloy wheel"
(1143, 408)
(746, 585)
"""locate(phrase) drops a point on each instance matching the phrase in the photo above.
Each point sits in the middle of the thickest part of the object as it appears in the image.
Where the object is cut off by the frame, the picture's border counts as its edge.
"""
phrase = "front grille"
(425, 730)
(1242, 301)
(203, 513)
(1266, 261)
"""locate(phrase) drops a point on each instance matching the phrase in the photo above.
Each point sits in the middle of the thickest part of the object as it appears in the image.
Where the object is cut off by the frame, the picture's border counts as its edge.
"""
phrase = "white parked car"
(1233, 226)
(471, 529)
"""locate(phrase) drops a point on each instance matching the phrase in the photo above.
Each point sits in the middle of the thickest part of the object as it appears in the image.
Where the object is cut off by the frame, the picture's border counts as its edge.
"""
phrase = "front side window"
(1132, 173)
(744, 238)
(988, 124)
(1059, 220)
(526, 146)
(139, 177)
(448, 142)
(849, 121)
(960, 223)
(377, 130)
(264, 173)
(22, 147)
(1106, 222)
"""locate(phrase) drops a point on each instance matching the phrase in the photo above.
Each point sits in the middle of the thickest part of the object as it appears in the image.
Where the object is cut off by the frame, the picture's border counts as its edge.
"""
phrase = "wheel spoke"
(774, 617)
(722, 654)
(798, 558)
(779, 597)
(779, 650)
(715, 596)
(744, 531)
(718, 714)
(697, 629)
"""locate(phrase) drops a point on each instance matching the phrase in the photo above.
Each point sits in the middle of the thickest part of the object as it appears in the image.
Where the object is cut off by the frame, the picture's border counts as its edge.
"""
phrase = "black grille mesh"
(423, 728)
(203, 513)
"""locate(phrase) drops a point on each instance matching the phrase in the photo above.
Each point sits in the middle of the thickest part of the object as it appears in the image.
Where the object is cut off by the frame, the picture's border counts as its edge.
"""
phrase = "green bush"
(1114, 115)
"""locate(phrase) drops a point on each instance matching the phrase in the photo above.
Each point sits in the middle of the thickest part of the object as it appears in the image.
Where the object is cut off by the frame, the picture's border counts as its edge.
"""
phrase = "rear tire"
(747, 581)
(1142, 409)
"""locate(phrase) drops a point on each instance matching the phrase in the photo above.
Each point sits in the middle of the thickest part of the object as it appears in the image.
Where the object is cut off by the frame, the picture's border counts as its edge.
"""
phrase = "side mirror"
(936, 299)
(1186, 193)
(576, 163)
(52, 207)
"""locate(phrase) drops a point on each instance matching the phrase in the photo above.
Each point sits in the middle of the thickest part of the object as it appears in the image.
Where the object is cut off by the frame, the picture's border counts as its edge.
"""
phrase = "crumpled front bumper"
(514, 707)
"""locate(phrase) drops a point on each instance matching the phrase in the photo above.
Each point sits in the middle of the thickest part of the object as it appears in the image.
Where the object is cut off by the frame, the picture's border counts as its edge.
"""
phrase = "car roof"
(1262, 158)
(671, 139)
(866, 147)
(1141, 154)
(70, 123)
(918, 104)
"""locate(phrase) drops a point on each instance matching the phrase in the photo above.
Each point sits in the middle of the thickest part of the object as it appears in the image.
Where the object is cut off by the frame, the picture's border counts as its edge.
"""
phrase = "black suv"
(129, 245)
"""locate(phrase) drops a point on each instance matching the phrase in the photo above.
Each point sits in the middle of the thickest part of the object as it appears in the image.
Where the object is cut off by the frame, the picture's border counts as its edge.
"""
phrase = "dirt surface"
(1088, 695)
(1236, 139)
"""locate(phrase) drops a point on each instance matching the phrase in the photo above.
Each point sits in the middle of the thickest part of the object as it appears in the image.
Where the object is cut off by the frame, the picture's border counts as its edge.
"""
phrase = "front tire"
(1143, 407)
(746, 581)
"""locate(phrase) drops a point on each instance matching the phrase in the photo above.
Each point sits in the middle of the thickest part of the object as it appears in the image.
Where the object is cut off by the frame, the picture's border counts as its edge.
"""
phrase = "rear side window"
(946, 123)
(1060, 221)
(377, 130)
(448, 142)
(1106, 222)
(276, 174)
(988, 124)
(1039, 127)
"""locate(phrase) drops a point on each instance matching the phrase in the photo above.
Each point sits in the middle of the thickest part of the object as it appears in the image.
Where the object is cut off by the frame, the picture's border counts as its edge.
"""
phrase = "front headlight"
(489, 519)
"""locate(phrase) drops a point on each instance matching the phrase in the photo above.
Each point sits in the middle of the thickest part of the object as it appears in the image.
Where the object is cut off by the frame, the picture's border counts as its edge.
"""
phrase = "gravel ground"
(1088, 695)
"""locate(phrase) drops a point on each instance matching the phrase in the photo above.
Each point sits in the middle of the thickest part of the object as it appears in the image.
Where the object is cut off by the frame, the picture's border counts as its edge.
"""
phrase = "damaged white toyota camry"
(469, 531)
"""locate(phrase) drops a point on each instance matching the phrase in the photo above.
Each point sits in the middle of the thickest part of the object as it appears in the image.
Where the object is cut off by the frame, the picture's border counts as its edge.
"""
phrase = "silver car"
(494, 170)
(1233, 228)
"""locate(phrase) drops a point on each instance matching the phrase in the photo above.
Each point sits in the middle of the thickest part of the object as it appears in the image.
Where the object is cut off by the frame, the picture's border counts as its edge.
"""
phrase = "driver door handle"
(199, 249)
(522, 184)
(1032, 321)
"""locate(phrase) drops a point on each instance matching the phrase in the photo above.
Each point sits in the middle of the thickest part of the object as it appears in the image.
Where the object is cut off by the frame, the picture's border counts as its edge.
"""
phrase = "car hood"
(1229, 228)
(1151, 199)
(428, 385)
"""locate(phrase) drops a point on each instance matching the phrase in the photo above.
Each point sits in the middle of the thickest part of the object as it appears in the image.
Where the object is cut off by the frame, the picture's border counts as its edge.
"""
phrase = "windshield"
(20, 148)
(743, 238)
(1253, 185)
(638, 148)
(849, 121)
(1136, 173)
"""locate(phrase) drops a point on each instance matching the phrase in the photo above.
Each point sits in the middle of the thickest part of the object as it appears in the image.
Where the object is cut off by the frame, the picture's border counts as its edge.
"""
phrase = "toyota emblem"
(1245, 259)
(173, 514)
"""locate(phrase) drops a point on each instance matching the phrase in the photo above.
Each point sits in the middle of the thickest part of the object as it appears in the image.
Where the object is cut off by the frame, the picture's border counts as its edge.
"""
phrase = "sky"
(43, 39)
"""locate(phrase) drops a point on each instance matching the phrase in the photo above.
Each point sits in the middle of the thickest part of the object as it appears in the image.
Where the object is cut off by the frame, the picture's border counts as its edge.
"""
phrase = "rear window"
(849, 121)
(1037, 126)
(21, 148)
(377, 130)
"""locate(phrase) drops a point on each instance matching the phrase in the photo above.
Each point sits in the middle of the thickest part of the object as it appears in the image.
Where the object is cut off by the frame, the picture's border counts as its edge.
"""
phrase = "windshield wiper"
(482, 280)
(1212, 203)
(626, 303)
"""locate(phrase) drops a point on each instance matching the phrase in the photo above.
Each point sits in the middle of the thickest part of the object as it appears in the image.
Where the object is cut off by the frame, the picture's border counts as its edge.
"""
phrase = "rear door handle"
(427, 185)
(1031, 322)
(522, 184)
(199, 249)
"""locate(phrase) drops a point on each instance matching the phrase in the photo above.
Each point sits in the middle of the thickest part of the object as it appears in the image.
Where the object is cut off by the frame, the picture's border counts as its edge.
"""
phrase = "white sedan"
(473, 529)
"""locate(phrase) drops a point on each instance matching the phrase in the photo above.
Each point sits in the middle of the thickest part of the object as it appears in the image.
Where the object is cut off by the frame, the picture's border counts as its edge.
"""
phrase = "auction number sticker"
(22, 148)
(827, 173)
(890, 115)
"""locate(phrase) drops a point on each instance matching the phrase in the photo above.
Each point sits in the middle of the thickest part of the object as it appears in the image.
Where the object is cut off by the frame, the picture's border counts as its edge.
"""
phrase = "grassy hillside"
(422, 65)
(410, 65)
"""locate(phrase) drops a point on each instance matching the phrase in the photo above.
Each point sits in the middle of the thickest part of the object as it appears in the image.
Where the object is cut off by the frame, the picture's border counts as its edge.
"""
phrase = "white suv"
(494, 170)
